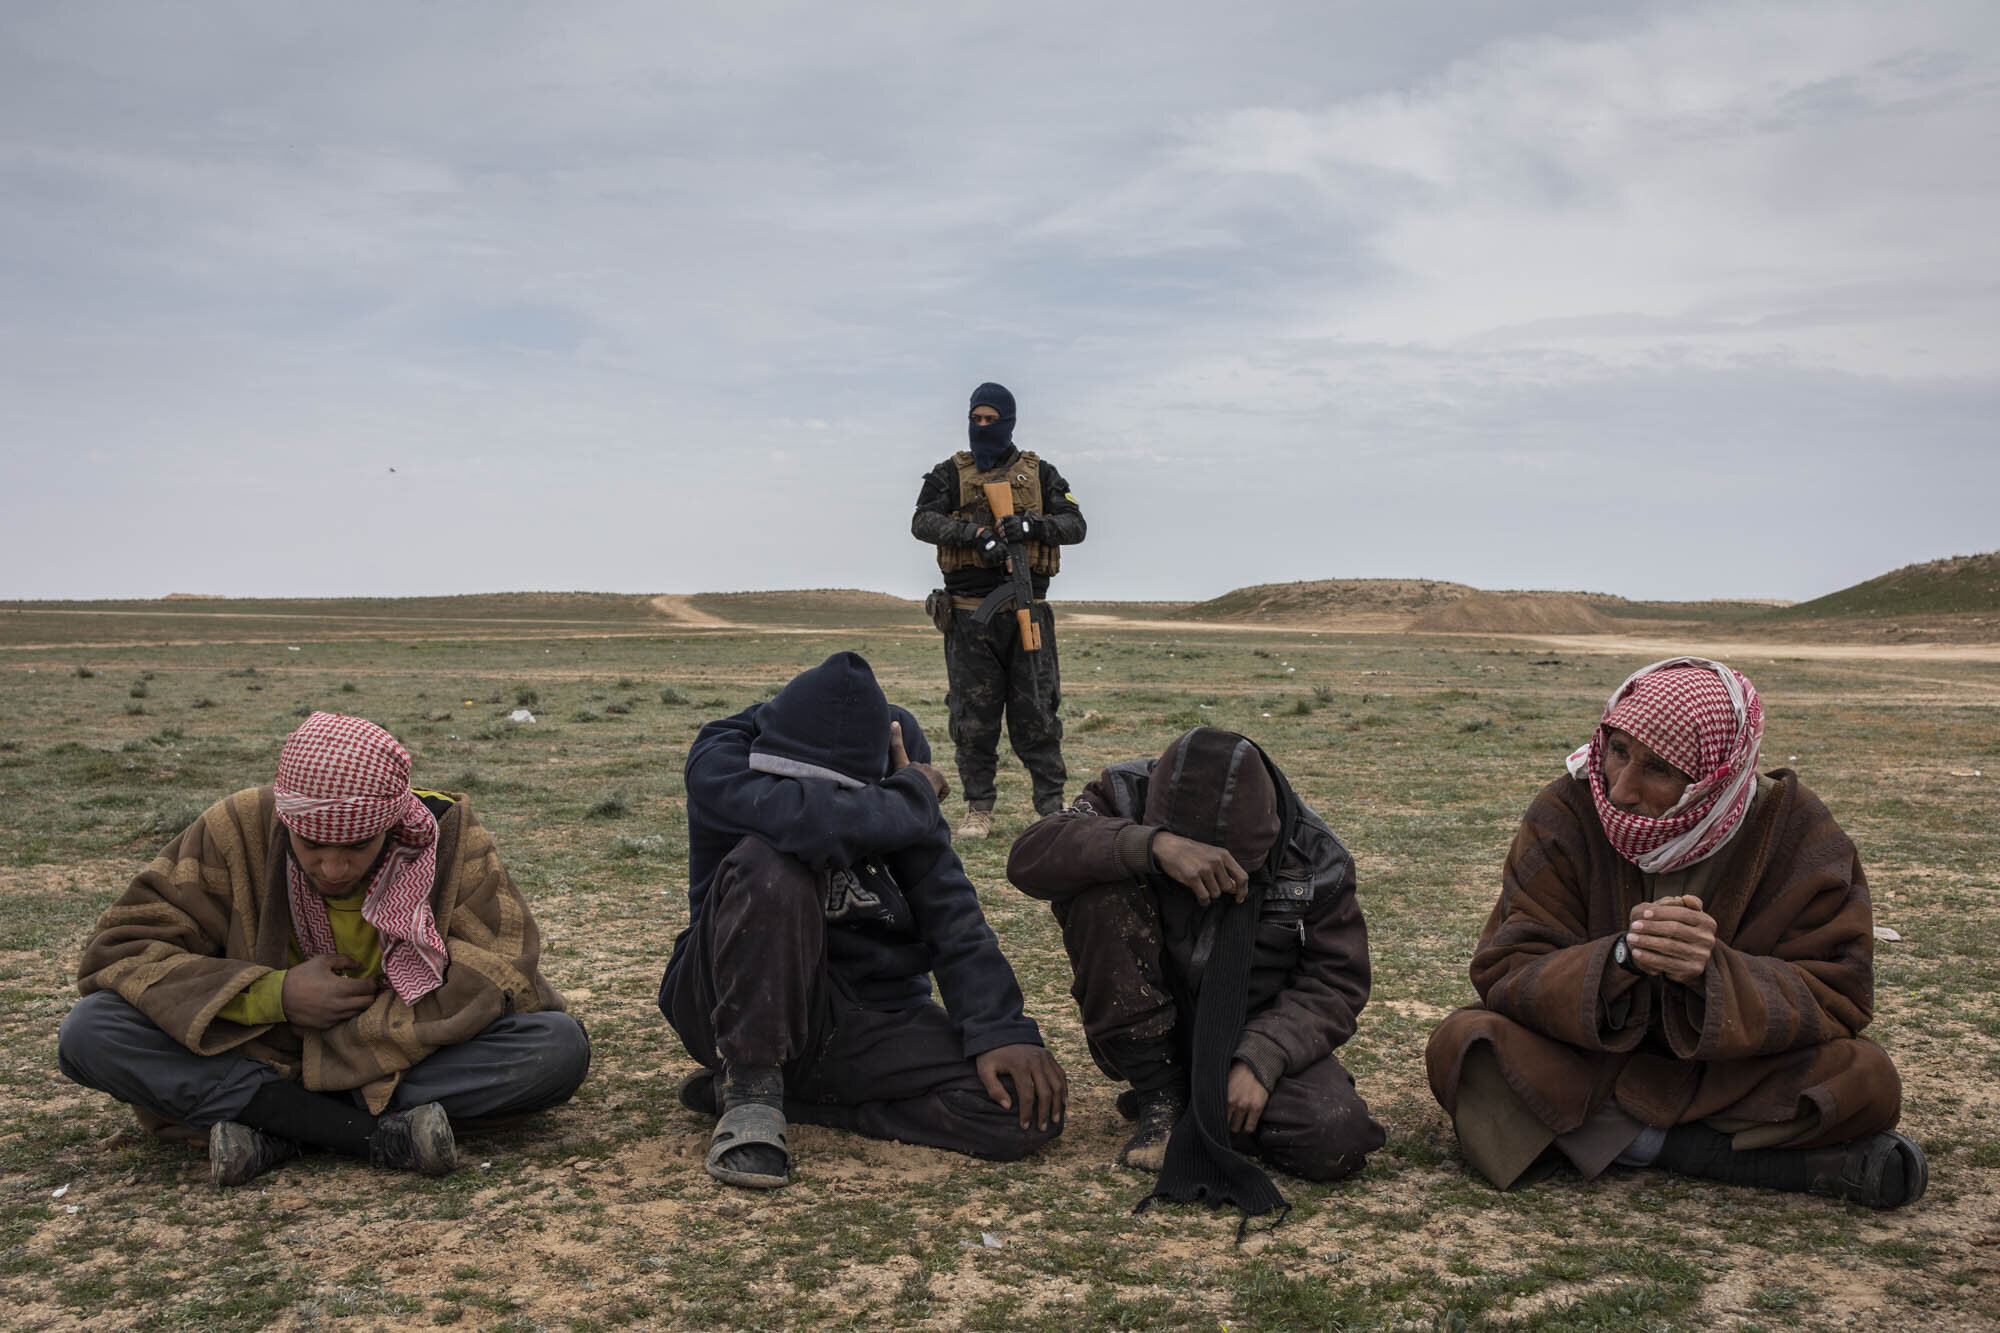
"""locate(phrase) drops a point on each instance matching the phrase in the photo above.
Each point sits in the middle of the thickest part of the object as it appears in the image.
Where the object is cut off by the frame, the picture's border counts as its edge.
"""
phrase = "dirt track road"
(680, 613)
(1724, 649)
(682, 610)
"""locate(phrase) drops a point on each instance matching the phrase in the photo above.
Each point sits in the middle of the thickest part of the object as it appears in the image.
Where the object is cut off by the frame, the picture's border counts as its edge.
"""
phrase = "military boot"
(977, 824)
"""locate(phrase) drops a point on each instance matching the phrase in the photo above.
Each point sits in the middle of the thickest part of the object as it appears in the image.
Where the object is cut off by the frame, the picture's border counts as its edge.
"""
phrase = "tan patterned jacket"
(209, 916)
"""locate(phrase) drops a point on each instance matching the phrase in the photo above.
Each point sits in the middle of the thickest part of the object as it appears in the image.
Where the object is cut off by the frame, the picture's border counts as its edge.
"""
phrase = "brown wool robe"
(209, 916)
(1770, 1036)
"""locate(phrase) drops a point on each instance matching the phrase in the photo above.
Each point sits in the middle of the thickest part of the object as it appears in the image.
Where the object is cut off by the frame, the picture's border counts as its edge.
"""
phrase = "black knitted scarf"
(1201, 1166)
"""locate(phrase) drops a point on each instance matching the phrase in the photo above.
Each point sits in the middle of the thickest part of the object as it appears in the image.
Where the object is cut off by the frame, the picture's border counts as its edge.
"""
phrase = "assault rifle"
(1021, 590)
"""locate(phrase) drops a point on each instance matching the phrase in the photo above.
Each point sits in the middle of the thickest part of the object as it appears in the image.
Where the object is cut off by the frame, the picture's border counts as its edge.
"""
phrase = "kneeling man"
(1220, 960)
(1679, 968)
(335, 961)
(823, 894)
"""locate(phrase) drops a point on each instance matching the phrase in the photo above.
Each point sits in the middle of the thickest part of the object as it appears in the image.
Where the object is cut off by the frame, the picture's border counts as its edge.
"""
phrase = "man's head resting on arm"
(833, 722)
(1212, 798)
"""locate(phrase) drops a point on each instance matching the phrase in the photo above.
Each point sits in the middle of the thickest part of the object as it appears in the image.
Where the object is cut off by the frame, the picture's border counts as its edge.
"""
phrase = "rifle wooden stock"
(1000, 499)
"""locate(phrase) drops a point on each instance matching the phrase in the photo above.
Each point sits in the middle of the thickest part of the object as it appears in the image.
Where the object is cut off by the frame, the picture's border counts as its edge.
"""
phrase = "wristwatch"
(1621, 954)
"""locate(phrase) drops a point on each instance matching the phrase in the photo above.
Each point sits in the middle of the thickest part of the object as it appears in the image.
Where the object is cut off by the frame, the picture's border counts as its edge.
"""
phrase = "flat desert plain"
(1422, 750)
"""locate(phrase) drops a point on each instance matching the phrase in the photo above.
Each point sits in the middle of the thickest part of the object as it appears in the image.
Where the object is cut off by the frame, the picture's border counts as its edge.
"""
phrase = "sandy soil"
(1511, 613)
(656, 1188)
(1726, 649)
(682, 610)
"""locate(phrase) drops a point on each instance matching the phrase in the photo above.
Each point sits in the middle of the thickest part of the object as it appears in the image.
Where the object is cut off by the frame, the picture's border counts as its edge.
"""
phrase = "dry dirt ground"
(1421, 749)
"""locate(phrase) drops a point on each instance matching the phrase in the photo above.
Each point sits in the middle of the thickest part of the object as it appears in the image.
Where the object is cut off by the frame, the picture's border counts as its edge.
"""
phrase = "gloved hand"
(990, 549)
(1020, 527)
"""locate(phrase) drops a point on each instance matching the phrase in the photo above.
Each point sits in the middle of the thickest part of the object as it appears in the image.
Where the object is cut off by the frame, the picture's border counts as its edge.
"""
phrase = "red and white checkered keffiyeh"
(344, 779)
(1706, 720)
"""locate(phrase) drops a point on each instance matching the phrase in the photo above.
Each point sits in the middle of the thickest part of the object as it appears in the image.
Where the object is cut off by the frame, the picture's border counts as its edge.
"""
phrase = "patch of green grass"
(1782, 1298)
(614, 806)
(169, 819)
(40, 921)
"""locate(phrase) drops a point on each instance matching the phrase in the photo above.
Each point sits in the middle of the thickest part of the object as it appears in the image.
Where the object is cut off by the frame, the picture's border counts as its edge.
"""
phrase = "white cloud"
(1396, 286)
(1707, 186)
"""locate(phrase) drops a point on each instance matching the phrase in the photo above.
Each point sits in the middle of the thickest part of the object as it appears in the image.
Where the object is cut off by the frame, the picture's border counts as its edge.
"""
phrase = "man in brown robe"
(1678, 969)
(334, 961)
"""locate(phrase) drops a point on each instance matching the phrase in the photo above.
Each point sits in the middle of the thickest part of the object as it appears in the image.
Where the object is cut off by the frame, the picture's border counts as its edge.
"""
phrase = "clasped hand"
(317, 996)
(1671, 938)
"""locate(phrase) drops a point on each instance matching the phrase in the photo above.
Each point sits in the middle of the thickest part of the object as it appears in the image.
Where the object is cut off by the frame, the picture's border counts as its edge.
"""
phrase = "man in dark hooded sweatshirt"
(989, 672)
(823, 894)
(1220, 959)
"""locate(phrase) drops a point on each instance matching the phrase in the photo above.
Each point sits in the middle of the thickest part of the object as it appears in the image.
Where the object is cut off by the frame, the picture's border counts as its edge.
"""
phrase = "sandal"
(749, 1124)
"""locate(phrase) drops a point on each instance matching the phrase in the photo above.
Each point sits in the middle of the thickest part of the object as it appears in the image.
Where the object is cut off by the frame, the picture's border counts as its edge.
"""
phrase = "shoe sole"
(432, 1147)
(220, 1136)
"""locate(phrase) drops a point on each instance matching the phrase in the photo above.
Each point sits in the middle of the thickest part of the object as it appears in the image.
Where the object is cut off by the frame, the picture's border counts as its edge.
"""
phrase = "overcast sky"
(1666, 300)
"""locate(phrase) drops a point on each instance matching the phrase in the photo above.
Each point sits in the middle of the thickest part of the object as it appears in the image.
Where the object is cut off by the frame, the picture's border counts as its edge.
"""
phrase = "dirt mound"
(809, 607)
(1319, 599)
(1514, 613)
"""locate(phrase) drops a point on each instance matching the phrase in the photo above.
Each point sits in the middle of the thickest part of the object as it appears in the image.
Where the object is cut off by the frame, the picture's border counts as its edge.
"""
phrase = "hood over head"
(1214, 786)
(829, 722)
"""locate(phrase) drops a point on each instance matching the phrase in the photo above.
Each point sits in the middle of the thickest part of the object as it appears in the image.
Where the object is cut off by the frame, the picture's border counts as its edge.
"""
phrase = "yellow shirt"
(263, 1000)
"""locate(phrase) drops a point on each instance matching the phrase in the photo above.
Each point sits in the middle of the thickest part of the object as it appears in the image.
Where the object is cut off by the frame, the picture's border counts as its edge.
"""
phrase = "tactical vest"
(1023, 474)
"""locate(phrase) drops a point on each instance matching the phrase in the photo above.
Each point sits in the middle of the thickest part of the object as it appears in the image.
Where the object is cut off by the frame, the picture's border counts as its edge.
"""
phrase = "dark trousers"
(990, 675)
(520, 1063)
(1315, 1124)
(753, 989)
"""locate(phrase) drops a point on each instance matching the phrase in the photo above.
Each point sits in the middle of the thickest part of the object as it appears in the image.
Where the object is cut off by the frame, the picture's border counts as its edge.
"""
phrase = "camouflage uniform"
(990, 676)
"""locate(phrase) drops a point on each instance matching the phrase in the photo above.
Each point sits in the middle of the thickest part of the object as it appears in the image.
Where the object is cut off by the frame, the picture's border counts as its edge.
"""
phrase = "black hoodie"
(919, 916)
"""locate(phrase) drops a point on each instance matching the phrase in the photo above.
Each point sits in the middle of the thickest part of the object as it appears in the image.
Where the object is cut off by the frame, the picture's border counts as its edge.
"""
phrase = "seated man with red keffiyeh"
(1679, 968)
(335, 961)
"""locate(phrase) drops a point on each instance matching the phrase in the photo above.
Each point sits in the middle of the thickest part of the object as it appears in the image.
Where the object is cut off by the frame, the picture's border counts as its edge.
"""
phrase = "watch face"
(1621, 952)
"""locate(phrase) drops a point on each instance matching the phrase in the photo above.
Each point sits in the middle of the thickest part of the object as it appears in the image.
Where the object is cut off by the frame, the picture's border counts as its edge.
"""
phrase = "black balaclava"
(991, 444)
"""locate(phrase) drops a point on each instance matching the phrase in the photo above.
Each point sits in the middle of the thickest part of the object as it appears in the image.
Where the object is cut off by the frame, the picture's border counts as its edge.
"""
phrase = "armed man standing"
(993, 562)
